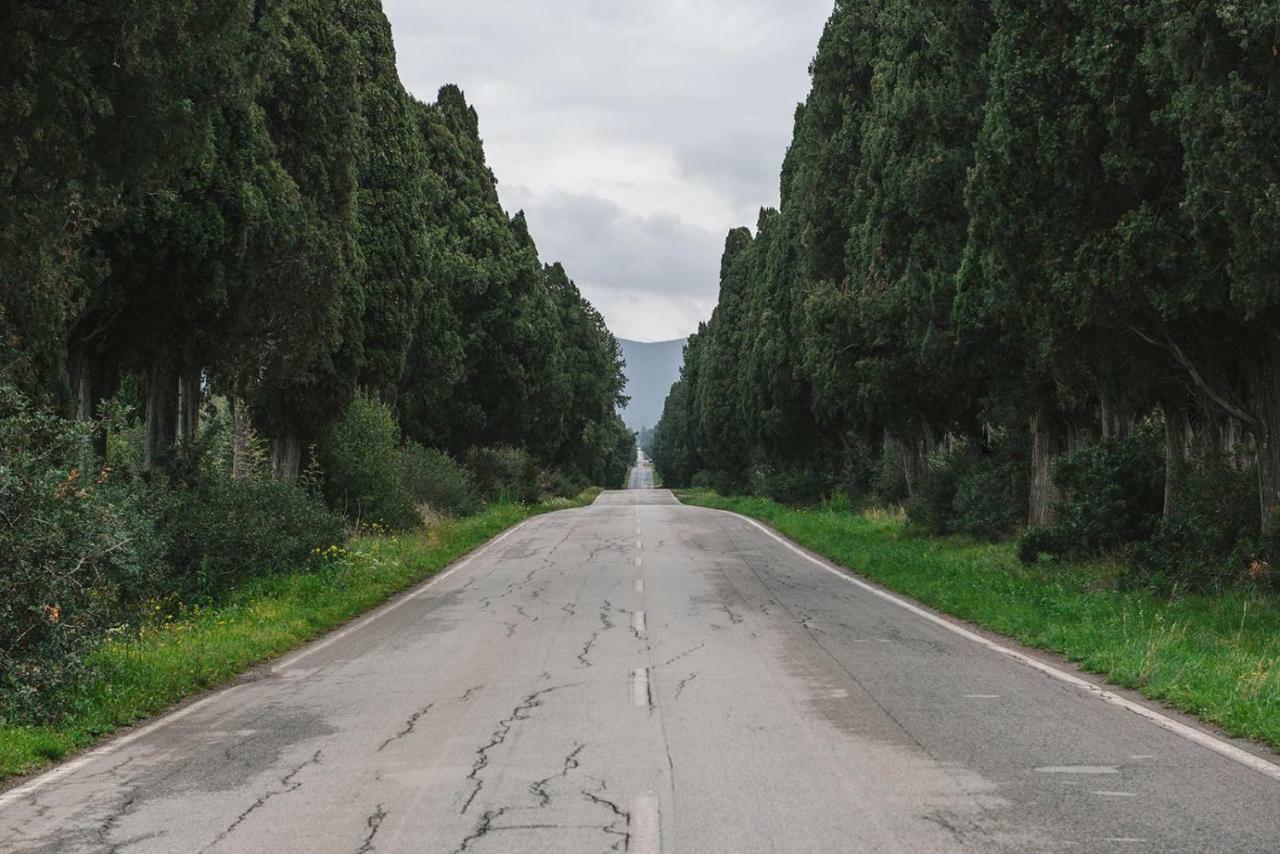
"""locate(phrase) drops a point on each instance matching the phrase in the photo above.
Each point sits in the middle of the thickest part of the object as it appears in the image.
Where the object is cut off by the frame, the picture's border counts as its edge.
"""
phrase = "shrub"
(569, 482)
(1112, 491)
(991, 499)
(979, 490)
(788, 485)
(839, 502)
(434, 479)
(503, 473)
(78, 551)
(856, 470)
(1211, 539)
(889, 480)
(222, 531)
(360, 466)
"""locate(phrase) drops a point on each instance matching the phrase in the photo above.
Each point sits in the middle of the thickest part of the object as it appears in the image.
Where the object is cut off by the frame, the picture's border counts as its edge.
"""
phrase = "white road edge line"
(1204, 739)
(58, 772)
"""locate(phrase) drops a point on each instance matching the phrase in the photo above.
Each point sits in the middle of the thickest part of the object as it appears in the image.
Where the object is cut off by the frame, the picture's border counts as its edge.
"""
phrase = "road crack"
(289, 785)
(374, 822)
(684, 654)
(539, 789)
(408, 726)
(620, 815)
(519, 713)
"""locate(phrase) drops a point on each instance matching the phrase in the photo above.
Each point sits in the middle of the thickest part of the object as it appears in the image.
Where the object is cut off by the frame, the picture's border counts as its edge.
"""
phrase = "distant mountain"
(652, 366)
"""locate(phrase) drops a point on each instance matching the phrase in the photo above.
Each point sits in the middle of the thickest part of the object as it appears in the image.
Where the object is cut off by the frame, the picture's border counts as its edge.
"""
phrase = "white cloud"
(633, 134)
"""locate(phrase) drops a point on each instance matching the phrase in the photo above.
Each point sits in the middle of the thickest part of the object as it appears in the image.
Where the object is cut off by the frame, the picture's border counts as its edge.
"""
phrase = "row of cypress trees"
(241, 198)
(1046, 218)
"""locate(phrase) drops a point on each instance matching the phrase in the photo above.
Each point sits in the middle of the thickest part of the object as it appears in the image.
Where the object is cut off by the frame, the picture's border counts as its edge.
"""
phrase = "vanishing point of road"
(644, 676)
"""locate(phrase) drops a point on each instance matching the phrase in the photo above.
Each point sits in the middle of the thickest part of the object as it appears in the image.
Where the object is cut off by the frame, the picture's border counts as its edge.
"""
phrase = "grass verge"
(194, 649)
(1216, 657)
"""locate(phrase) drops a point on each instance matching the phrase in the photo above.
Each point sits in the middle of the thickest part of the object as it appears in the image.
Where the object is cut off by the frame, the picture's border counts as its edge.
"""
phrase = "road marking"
(639, 585)
(58, 772)
(640, 687)
(1124, 839)
(638, 561)
(646, 834)
(1078, 769)
(638, 545)
(1142, 756)
(982, 696)
(637, 621)
(1104, 793)
(1204, 739)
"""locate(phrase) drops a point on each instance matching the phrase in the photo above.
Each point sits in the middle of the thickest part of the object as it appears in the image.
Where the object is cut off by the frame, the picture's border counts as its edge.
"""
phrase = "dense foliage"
(252, 292)
(1009, 232)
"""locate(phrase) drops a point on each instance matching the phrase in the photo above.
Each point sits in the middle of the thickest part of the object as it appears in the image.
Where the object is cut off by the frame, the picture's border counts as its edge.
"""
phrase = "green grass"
(1216, 657)
(177, 655)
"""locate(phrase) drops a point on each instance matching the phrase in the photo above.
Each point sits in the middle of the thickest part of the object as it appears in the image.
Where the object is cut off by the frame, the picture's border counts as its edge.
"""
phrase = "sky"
(634, 135)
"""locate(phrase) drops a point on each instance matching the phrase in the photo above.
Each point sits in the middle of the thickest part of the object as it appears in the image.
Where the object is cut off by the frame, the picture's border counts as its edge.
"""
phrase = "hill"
(652, 366)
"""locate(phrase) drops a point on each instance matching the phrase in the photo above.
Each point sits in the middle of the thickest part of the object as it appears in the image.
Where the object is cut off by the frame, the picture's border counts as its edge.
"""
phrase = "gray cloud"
(634, 135)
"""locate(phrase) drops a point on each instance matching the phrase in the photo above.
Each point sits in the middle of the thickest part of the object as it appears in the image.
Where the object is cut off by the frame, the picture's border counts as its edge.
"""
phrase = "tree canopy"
(1045, 221)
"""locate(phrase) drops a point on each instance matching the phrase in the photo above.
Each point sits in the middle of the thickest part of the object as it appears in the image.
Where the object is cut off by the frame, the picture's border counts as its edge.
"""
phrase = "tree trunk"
(1266, 405)
(92, 382)
(912, 463)
(240, 443)
(160, 428)
(188, 405)
(1177, 435)
(286, 457)
(1117, 421)
(1044, 448)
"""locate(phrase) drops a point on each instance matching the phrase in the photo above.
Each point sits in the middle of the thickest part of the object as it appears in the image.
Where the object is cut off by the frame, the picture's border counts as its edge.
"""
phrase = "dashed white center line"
(982, 696)
(640, 687)
(639, 585)
(1107, 794)
(638, 561)
(1078, 769)
(638, 545)
(637, 621)
(646, 837)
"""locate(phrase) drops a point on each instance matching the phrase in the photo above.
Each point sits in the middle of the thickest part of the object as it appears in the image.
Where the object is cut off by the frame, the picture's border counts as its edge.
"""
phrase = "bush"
(977, 490)
(1112, 491)
(889, 478)
(1211, 539)
(434, 479)
(856, 470)
(786, 485)
(360, 466)
(78, 550)
(569, 482)
(504, 473)
(224, 531)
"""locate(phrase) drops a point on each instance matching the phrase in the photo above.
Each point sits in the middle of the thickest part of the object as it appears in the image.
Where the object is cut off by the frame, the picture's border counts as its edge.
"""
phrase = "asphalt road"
(641, 473)
(643, 676)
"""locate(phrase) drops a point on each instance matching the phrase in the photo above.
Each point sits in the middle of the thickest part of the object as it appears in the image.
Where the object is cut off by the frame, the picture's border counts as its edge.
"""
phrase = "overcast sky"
(634, 135)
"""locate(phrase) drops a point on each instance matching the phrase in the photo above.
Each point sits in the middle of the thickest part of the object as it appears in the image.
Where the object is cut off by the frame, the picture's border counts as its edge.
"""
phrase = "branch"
(1227, 406)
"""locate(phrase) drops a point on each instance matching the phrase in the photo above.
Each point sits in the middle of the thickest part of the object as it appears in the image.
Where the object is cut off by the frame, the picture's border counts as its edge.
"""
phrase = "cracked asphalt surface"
(643, 676)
